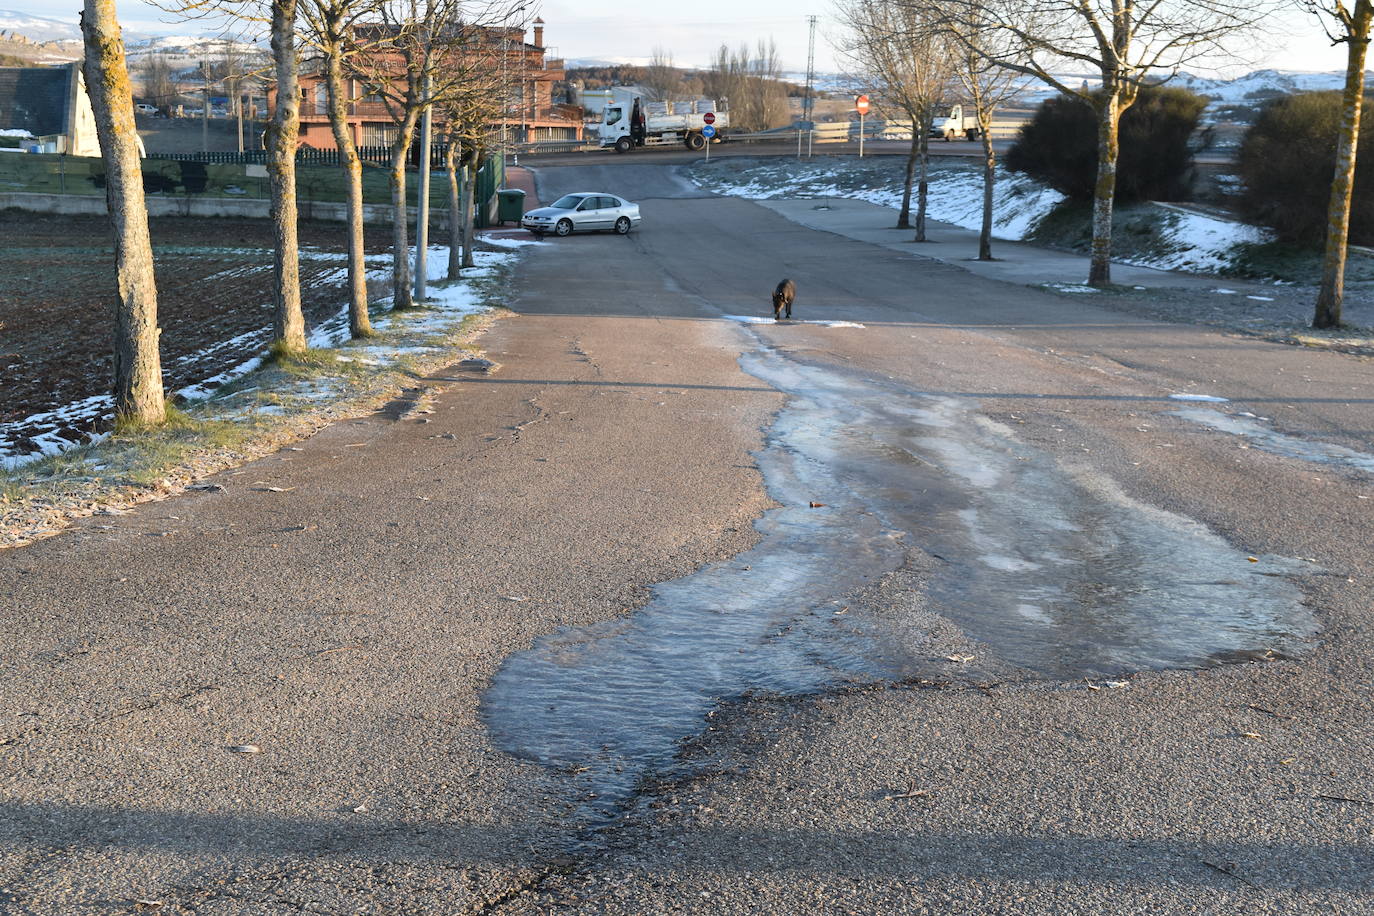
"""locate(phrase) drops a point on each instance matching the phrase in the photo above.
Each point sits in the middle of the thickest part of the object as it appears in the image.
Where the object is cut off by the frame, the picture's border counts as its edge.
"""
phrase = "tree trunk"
(288, 321)
(138, 394)
(455, 210)
(904, 216)
(989, 182)
(1104, 194)
(400, 239)
(1331, 292)
(469, 181)
(359, 324)
(923, 187)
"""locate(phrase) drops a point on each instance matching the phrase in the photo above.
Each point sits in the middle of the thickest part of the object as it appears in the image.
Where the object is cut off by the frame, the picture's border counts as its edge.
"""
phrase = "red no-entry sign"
(709, 117)
(861, 104)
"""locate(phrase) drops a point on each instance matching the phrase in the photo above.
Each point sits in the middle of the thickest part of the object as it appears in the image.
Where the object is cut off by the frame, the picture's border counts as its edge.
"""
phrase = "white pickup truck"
(952, 123)
(631, 120)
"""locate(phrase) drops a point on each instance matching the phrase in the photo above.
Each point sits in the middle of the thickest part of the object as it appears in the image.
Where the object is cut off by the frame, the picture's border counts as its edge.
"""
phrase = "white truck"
(632, 120)
(952, 123)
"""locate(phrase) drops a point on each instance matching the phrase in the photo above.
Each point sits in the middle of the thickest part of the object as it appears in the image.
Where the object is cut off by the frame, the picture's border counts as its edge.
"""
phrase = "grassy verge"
(285, 400)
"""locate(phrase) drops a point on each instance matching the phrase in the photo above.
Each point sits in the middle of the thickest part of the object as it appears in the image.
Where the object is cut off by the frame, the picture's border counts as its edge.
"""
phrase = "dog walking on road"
(782, 298)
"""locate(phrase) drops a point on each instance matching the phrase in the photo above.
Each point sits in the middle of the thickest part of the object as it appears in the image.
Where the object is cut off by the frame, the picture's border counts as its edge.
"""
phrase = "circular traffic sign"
(861, 104)
(709, 117)
(708, 131)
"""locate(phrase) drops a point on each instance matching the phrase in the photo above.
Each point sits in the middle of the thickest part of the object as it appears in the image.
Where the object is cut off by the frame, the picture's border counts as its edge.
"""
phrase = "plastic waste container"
(510, 205)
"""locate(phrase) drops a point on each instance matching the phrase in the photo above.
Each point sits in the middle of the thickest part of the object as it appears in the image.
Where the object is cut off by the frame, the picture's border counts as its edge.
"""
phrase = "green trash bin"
(510, 205)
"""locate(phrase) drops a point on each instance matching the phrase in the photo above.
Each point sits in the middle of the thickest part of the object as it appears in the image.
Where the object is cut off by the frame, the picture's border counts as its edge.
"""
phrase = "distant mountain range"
(38, 28)
(1260, 84)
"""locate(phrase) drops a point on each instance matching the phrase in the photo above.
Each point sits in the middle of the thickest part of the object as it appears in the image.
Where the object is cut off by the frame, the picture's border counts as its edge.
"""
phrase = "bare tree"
(329, 25)
(660, 77)
(159, 82)
(137, 366)
(912, 67)
(288, 320)
(468, 113)
(1126, 42)
(421, 59)
(1352, 26)
(987, 86)
(403, 68)
(752, 83)
(283, 133)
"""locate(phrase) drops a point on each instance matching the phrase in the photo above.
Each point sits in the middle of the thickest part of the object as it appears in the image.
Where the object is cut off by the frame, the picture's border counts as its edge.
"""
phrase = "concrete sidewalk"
(1017, 262)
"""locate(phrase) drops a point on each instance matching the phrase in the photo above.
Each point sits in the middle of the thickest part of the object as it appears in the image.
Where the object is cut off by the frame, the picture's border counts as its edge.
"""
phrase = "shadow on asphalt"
(62, 829)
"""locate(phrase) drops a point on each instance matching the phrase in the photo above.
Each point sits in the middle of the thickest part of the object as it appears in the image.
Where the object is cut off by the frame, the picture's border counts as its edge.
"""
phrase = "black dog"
(782, 298)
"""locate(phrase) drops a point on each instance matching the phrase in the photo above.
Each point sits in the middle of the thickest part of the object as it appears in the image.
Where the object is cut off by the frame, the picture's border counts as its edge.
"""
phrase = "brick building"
(524, 67)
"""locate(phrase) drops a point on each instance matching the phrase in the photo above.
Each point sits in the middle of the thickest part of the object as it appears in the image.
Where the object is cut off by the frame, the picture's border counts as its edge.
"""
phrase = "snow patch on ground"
(1187, 240)
(956, 192)
(760, 319)
(1198, 243)
(53, 441)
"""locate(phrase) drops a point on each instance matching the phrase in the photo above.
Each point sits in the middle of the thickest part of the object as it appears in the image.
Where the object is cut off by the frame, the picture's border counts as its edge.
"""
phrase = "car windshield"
(569, 202)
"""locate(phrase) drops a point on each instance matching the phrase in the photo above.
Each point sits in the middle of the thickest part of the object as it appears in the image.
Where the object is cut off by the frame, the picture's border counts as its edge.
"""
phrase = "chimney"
(539, 33)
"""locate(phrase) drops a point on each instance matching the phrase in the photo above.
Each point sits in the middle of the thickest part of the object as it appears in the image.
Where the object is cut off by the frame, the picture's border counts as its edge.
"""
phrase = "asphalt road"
(348, 624)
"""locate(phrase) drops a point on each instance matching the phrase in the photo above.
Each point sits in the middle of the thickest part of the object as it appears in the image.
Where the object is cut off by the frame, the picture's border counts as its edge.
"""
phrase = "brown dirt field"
(214, 288)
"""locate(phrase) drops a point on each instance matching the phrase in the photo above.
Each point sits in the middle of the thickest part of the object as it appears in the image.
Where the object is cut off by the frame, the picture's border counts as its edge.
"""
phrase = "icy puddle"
(1270, 440)
(1052, 568)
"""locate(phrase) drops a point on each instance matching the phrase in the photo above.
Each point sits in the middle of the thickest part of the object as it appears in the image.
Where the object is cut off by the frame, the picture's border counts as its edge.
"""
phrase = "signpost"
(861, 106)
(708, 131)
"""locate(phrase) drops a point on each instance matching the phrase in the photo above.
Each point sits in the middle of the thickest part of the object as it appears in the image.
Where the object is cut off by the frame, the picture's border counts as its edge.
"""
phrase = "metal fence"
(189, 176)
(373, 155)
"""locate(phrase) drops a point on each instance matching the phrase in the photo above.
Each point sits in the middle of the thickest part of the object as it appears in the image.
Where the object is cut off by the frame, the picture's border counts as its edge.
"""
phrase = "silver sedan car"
(585, 211)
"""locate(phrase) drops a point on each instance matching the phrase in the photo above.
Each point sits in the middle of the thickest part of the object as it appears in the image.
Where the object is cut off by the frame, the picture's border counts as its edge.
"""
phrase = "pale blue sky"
(616, 29)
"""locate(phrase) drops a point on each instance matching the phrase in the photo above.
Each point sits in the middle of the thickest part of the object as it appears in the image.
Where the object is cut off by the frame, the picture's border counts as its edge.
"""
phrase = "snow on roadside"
(1188, 240)
(1198, 243)
(956, 190)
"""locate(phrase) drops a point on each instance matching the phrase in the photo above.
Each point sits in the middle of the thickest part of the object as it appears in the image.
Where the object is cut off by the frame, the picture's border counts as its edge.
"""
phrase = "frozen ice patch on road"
(764, 319)
(1271, 440)
(1050, 568)
(1209, 398)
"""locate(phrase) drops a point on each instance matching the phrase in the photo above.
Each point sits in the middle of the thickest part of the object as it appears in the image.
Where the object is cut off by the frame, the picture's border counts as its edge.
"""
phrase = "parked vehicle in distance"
(953, 124)
(585, 211)
(631, 121)
(144, 108)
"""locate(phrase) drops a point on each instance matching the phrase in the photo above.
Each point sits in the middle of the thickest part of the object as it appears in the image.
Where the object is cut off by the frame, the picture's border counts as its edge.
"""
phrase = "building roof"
(34, 99)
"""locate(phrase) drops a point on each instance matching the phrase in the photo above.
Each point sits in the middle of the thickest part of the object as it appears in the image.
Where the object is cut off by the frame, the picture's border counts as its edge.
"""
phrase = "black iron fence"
(374, 155)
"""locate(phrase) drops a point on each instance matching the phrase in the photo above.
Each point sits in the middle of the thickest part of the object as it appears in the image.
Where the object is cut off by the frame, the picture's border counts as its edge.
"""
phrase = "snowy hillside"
(1259, 83)
(38, 28)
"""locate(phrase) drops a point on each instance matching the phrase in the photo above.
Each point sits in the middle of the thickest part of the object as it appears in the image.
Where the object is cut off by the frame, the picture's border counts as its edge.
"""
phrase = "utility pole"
(807, 105)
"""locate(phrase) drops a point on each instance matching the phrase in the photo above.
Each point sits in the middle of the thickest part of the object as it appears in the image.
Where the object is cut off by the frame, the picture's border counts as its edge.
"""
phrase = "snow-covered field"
(1183, 239)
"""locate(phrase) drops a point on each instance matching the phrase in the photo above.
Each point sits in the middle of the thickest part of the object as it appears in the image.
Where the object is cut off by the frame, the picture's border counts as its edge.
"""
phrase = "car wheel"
(623, 145)
(622, 225)
(949, 135)
(695, 142)
(564, 227)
